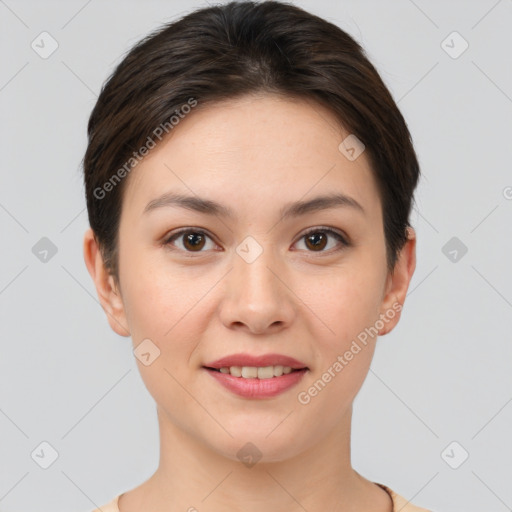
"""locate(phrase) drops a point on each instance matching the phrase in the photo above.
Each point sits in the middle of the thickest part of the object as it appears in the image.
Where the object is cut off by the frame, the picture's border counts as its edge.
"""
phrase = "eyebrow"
(295, 209)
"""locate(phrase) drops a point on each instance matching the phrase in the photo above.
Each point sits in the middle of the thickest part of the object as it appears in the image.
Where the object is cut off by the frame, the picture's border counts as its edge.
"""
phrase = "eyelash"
(344, 243)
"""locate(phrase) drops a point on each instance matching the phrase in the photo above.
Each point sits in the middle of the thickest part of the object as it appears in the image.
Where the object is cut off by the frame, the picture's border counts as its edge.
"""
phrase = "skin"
(254, 155)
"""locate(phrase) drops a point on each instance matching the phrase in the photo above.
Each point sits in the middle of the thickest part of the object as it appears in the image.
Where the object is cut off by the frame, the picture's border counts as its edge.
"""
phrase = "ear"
(108, 292)
(397, 284)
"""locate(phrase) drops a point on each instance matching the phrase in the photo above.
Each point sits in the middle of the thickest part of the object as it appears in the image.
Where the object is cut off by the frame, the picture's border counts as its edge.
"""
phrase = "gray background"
(443, 375)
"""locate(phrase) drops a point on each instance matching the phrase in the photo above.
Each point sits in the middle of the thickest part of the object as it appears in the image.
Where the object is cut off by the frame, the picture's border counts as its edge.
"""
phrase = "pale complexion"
(255, 156)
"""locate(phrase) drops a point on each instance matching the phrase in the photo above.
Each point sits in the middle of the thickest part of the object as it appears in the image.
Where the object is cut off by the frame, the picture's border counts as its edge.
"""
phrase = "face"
(199, 284)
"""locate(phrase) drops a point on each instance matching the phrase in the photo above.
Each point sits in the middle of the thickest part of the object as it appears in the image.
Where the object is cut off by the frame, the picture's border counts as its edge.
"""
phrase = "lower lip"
(258, 388)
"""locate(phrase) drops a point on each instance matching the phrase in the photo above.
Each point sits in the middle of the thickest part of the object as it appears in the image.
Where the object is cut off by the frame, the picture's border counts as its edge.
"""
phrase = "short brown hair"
(224, 52)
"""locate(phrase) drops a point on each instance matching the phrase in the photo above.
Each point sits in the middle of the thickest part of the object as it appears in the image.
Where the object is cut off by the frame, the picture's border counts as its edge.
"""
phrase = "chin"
(257, 446)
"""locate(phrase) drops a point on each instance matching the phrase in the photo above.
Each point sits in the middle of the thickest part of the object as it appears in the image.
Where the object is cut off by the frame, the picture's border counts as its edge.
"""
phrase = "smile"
(245, 381)
(255, 372)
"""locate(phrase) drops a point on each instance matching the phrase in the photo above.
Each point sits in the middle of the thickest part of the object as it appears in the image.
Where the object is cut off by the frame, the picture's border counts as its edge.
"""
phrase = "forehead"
(255, 148)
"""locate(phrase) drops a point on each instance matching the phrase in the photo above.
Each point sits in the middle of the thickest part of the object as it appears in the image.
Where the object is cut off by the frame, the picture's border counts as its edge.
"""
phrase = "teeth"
(236, 371)
(253, 372)
(278, 370)
(249, 372)
(266, 372)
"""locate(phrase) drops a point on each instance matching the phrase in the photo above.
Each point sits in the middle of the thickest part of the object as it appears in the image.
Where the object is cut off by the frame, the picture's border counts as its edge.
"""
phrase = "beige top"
(400, 504)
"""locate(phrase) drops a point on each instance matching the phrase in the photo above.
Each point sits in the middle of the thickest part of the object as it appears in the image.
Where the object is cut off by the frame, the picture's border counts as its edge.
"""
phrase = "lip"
(258, 388)
(259, 361)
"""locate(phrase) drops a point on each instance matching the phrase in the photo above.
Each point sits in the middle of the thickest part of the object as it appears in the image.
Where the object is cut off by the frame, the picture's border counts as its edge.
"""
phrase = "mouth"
(256, 377)
(249, 385)
(256, 372)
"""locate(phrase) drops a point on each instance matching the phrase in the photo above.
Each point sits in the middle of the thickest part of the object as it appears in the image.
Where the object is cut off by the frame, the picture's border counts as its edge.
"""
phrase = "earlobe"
(108, 292)
(397, 284)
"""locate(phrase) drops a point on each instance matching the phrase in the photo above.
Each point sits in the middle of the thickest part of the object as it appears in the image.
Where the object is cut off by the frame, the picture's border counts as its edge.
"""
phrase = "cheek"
(167, 307)
(160, 310)
(348, 306)
(154, 297)
(149, 308)
(164, 313)
(345, 303)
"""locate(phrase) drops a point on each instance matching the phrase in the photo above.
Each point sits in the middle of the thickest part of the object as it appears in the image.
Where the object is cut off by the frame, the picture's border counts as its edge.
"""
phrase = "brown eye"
(317, 239)
(191, 240)
(194, 241)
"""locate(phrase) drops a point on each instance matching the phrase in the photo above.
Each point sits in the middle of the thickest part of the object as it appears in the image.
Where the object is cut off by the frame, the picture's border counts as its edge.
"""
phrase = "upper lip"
(258, 361)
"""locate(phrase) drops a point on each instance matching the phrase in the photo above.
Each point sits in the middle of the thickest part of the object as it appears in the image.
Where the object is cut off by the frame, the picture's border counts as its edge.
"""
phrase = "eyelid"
(314, 229)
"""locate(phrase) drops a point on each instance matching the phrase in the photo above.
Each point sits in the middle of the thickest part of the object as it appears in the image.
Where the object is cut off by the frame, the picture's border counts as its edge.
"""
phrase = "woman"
(249, 180)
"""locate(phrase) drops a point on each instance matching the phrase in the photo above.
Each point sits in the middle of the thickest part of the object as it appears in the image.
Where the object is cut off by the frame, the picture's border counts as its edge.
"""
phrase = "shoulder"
(111, 506)
(400, 503)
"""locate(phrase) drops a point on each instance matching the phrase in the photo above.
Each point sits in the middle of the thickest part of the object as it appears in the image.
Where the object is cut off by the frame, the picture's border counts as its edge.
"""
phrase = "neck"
(192, 477)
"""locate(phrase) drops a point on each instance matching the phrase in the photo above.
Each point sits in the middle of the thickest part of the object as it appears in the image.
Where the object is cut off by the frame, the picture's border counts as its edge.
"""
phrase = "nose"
(257, 297)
